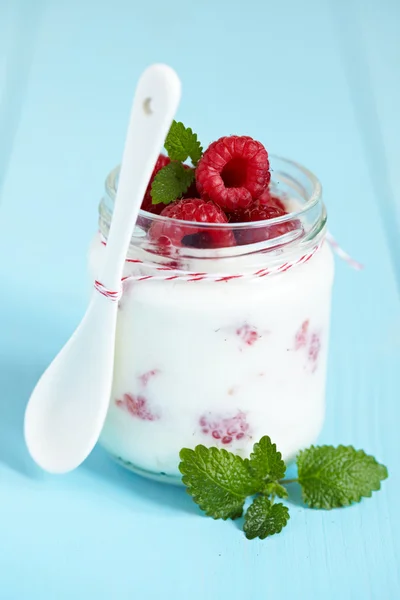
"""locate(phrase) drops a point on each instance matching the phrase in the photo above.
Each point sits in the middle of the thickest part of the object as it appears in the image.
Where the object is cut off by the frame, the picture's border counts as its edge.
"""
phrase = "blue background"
(317, 81)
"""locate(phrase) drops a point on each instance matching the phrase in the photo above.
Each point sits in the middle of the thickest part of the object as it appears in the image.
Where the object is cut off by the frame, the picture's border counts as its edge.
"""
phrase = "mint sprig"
(181, 143)
(170, 183)
(220, 482)
(173, 180)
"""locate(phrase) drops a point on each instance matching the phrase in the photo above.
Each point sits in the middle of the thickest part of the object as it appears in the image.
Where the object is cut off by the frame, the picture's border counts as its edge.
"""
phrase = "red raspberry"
(137, 406)
(248, 334)
(267, 199)
(225, 429)
(171, 232)
(257, 212)
(314, 349)
(146, 377)
(147, 203)
(233, 171)
(301, 338)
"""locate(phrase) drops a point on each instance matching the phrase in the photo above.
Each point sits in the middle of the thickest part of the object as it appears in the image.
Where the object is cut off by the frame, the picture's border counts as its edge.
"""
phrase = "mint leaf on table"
(332, 477)
(265, 460)
(263, 518)
(218, 481)
(181, 143)
(170, 183)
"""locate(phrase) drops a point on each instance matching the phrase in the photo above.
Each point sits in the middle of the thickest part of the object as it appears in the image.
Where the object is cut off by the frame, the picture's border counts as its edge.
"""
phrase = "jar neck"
(256, 243)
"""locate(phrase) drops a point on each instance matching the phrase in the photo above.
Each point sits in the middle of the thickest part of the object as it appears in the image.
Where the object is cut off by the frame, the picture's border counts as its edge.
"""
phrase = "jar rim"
(313, 199)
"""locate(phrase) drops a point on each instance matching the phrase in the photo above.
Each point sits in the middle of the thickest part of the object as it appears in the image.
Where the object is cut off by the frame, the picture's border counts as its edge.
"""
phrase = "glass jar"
(223, 344)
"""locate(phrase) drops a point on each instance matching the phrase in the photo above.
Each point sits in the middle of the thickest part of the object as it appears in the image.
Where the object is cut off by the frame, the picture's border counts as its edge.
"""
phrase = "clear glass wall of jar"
(206, 358)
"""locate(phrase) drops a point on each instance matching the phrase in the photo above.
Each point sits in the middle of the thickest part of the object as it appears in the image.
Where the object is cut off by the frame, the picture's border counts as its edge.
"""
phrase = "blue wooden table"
(317, 81)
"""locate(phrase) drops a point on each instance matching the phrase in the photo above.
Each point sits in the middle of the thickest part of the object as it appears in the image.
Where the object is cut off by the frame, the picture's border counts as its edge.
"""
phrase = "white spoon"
(67, 409)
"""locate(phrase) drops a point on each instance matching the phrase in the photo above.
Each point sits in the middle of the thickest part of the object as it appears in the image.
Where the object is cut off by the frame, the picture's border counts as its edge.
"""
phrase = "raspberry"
(147, 203)
(146, 377)
(137, 407)
(248, 334)
(258, 212)
(233, 171)
(266, 199)
(310, 341)
(225, 429)
(173, 233)
(301, 337)
(314, 349)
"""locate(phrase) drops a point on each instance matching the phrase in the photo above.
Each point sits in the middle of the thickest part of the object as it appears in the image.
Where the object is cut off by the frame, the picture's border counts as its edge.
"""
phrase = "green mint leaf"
(170, 183)
(264, 518)
(218, 481)
(331, 477)
(275, 489)
(181, 143)
(265, 461)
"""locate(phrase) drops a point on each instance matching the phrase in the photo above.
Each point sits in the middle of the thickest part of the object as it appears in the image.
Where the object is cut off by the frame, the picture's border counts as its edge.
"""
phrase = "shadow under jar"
(205, 358)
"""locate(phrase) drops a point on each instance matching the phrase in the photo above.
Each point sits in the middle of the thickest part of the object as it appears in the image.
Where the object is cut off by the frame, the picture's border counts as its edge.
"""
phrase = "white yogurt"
(218, 364)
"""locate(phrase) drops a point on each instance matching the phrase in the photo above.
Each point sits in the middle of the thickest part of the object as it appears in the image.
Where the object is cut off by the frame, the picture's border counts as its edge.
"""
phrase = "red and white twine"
(354, 264)
(165, 273)
(113, 296)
